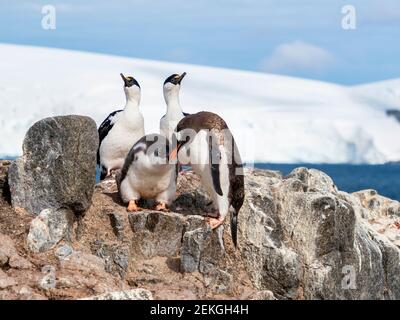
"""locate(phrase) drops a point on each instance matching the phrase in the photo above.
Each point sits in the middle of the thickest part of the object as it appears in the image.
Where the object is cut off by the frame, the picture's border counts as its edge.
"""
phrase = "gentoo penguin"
(120, 130)
(204, 141)
(174, 113)
(148, 174)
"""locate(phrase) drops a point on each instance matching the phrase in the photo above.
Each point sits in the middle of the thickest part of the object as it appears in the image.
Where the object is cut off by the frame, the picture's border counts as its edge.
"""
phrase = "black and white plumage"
(104, 128)
(120, 130)
(147, 173)
(174, 112)
(205, 142)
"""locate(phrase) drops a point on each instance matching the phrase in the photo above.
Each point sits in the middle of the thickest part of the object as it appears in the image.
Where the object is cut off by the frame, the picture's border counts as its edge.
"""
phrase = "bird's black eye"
(131, 82)
(174, 79)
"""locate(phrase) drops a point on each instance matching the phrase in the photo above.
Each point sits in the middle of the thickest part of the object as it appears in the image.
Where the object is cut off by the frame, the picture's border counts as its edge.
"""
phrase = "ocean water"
(350, 178)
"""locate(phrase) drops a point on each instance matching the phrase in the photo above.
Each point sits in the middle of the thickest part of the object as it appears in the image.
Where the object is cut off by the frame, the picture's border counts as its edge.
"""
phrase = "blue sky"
(301, 38)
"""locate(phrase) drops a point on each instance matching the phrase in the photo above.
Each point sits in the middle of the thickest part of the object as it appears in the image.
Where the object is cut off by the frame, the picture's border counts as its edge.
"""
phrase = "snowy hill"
(384, 94)
(274, 118)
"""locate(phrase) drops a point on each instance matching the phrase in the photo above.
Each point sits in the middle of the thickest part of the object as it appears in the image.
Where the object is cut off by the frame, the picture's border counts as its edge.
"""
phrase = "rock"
(115, 255)
(203, 251)
(376, 205)
(4, 164)
(57, 169)
(83, 262)
(213, 263)
(26, 293)
(63, 252)
(315, 180)
(192, 247)
(17, 262)
(49, 228)
(4, 187)
(303, 239)
(192, 198)
(85, 274)
(156, 233)
(78, 275)
(118, 225)
(6, 281)
(262, 295)
(134, 294)
(218, 280)
(9, 255)
(49, 280)
(383, 214)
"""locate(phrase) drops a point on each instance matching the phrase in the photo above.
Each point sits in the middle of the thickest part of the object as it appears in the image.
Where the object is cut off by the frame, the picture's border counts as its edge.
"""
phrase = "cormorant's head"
(129, 81)
(172, 85)
(131, 88)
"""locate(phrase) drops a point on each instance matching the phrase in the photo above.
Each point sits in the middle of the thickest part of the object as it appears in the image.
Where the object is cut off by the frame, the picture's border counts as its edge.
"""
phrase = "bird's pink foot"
(132, 206)
(162, 207)
(214, 222)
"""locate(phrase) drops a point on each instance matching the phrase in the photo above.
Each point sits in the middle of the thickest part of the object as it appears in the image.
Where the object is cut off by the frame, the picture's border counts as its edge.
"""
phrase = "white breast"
(199, 160)
(149, 181)
(168, 124)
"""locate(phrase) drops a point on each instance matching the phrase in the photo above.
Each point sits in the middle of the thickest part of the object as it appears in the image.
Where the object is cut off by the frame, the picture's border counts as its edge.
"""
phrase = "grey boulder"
(58, 165)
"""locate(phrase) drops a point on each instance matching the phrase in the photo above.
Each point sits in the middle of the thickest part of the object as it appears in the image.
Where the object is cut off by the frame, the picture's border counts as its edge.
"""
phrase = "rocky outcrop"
(299, 238)
(57, 169)
(302, 238)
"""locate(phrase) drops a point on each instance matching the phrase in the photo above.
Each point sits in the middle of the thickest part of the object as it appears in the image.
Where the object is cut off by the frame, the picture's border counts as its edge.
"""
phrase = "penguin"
(204, 141)
(148, 174)
(174, 113)
(120, 130)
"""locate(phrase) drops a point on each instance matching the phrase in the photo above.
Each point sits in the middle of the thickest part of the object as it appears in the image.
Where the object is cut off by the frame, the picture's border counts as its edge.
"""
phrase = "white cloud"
(298, 56)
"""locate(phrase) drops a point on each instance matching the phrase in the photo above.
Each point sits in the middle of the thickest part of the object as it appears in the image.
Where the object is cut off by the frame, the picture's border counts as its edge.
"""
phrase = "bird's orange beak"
(173, 154)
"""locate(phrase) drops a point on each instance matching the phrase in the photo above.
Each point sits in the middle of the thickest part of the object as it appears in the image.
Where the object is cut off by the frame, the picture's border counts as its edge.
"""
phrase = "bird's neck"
(132, 105)
(173, 104)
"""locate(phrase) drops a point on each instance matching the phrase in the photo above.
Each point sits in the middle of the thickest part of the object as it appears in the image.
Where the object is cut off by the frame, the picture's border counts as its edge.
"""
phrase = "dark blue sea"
(350, 178)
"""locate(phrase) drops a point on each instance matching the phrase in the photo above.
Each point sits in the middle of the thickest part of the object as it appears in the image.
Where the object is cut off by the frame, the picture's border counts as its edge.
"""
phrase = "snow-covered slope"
(383, 95)
(274, 118)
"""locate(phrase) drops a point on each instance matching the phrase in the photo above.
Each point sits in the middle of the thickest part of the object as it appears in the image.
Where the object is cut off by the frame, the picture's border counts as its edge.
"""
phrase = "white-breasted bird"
(120, 130)
(204, 141)
(174, 114)
(148, 174)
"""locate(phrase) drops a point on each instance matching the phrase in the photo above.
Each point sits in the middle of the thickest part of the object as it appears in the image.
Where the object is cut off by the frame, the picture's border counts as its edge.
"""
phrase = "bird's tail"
(237, 203)
(234, 220)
